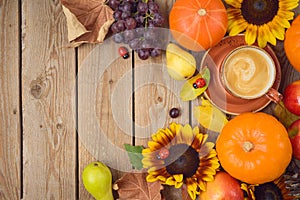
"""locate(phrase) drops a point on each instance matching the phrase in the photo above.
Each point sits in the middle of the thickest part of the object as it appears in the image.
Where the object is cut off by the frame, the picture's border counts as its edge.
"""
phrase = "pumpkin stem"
(202, 12)
(248, 146)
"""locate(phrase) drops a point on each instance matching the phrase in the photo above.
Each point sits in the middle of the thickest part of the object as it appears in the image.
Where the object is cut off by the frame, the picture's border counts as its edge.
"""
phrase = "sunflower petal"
(192, 187)
(162, 178)
(208, 178)
(197, 141)
(281, 22)
(239, 27)
(206, 149)
(288, 5)
(261, 37)
(162, 139)
(170, 181)
(174, 127)
(288, 15)
(268, 35)
(272, 38)
(209, 170)
(178, 184)
(187, 134)
(191, 184)
(233, 13)
(170, 134)
(178, 177)
(276, 30)
(202, 185)
(154, 145)
(212, 154)
(240, 21)
(234, 3)
(251, 34)
(192, 194)
(146, 151)
(151, 178)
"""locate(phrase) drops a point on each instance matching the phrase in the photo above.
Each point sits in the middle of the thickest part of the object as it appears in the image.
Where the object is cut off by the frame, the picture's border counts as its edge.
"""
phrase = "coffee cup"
(249, 72)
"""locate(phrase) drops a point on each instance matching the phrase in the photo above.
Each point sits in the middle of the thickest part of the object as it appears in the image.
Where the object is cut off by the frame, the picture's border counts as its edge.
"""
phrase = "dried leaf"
(133, 186)
(283, 115)
(209, 116)
(88, 21)
(188, 92)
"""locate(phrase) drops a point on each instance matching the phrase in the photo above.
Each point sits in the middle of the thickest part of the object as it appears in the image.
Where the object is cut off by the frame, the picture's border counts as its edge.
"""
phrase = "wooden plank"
(10, 112)
(48, 82)
(84, 156)
(155, 92)
(104, 115)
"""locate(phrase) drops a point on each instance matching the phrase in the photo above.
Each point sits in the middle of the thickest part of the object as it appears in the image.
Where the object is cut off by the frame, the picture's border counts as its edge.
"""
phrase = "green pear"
(181, 64)
(97, 180)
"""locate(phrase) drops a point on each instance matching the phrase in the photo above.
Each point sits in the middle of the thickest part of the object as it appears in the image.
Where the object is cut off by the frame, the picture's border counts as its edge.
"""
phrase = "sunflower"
(277, 189)
(261, 20)
(180, 155)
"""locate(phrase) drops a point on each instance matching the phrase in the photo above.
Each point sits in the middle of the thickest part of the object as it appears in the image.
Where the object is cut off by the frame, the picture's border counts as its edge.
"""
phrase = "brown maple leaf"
(88, 21)
(133, 186)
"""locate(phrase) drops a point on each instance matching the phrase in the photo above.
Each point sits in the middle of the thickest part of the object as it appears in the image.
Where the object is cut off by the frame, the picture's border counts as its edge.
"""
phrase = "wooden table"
(43, 125)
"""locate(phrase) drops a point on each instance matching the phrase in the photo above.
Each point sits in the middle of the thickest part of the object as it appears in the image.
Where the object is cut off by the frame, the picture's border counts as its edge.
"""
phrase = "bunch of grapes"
(135, 22)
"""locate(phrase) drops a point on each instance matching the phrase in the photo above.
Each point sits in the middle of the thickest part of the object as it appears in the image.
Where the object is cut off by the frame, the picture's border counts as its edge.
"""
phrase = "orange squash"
(292, 43)
(198, 24)
(254, 148)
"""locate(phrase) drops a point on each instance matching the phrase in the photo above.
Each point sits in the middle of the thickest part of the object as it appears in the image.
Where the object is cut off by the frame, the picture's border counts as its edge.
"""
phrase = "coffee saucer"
(217, 94)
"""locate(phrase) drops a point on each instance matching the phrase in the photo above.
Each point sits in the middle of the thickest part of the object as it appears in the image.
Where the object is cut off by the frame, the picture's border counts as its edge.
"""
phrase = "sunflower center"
(183, 159)
(259, 11)
(268, 191)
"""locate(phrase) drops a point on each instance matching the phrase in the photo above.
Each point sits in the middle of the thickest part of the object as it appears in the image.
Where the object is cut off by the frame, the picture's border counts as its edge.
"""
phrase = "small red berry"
(123, 51)
(200, 82)
(163, 153)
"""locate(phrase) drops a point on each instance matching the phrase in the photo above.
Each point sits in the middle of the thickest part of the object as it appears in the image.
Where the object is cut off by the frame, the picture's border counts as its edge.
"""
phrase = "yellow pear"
(181, 64)
(97, 180)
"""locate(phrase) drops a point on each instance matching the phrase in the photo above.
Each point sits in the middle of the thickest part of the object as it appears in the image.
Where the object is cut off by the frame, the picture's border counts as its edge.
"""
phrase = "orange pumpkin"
(198, 24)
(254, 148)
(292, 43)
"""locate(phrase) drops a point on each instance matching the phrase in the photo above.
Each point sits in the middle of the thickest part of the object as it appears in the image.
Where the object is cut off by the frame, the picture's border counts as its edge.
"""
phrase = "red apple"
(224, 187)
(291, 97)
(294, 133)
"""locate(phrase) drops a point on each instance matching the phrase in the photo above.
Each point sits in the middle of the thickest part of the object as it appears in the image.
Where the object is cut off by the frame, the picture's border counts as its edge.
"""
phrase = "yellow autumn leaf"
(209, 116)
(188, 92)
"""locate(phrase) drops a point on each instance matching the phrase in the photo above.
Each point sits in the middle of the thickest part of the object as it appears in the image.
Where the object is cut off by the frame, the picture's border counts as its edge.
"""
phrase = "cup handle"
(274, 95)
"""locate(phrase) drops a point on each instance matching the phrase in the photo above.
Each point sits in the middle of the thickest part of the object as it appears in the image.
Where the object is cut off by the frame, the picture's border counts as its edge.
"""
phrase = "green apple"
(97, 180)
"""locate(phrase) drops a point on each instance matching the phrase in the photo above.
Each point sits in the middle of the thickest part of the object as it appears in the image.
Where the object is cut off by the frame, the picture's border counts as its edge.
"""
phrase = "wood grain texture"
(155, 92)
(10, 127)
(104, 89)
(84, 156)
(48, 82)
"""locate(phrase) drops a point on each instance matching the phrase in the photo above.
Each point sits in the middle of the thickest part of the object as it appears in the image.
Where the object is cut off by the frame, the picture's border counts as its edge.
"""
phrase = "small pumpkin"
(198, 24)
(254, 148)
(292, 43)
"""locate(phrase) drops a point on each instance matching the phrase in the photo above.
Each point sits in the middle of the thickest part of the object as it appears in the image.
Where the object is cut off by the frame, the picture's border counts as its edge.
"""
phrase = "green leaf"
(209, 116)
(188, 92)
(283, 115)
(135, 155)
(293, 132)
